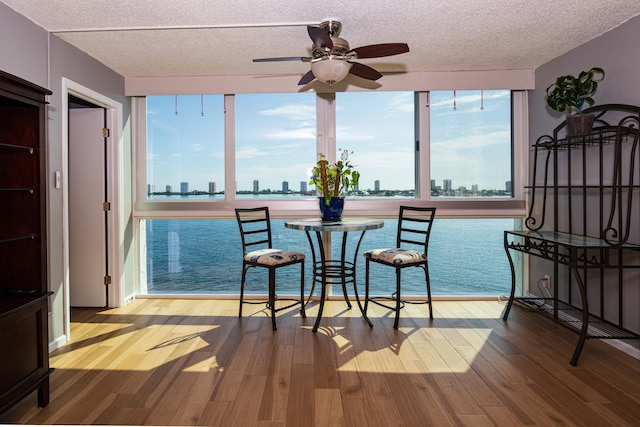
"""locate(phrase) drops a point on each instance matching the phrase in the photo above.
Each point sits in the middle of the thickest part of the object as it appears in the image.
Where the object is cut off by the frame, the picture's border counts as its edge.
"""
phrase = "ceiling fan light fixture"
(330, 70)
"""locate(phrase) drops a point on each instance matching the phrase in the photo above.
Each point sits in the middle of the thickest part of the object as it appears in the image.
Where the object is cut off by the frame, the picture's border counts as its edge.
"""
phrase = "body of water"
(466, 257)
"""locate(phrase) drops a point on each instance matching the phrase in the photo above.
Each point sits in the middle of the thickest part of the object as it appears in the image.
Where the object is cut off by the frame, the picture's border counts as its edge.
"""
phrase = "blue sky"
(276, 138)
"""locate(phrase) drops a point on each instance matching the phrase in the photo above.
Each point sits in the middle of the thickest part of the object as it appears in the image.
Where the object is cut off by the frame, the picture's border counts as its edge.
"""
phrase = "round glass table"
(326, 270)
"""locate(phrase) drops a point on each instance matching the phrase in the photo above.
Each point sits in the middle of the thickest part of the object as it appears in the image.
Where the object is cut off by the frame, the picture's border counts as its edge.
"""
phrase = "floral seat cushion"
(272, 256)
(396, 256)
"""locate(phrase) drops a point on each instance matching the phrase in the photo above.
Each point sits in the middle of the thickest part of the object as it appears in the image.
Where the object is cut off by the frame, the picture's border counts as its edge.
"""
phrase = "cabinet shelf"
(14, 239)
(29, 190)
(13, 147)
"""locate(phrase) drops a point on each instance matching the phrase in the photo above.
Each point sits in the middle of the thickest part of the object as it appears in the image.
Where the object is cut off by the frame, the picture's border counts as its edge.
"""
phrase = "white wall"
(23, 47)
(617, 53)
(29, 52)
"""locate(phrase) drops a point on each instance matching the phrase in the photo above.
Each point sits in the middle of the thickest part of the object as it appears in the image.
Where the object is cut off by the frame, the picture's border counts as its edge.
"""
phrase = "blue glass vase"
(332, 212)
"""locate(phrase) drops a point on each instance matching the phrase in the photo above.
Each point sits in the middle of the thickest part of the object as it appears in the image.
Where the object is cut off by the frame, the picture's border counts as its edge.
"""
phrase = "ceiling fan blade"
(306, 78)
(320, 37)
(380, 50)
(364, 71)
(285, 58)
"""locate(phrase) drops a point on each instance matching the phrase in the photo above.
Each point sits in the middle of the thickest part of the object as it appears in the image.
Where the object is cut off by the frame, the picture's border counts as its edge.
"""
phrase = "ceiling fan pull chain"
(202, 105)
(481, 100)
(176, 104)
(455, 108)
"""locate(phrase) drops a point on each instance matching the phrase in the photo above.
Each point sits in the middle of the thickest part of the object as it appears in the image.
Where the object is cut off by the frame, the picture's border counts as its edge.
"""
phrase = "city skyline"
(447, 186)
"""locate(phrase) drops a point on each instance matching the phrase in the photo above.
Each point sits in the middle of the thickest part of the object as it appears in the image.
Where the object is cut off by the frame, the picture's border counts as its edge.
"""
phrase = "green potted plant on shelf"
(570, 94)
(332, 182)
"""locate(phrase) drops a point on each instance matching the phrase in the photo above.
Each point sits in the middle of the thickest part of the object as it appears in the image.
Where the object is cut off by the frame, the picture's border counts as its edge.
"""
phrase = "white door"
(87, 237)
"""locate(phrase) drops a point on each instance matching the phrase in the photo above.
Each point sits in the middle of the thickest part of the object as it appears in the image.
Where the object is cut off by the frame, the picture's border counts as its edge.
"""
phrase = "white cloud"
(401, 103)
(305, 133)
(292, 112)
(251, 152)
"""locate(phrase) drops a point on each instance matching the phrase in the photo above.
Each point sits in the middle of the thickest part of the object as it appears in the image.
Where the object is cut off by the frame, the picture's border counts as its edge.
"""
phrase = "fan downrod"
(332, 27)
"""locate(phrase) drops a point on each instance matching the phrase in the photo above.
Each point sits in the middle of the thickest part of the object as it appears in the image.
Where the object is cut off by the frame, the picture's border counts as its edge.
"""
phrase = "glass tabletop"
(345, 224)
(571, 240)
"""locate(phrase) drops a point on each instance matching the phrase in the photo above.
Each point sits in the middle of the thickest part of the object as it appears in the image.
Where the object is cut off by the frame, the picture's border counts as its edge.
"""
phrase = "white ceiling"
(221, 37)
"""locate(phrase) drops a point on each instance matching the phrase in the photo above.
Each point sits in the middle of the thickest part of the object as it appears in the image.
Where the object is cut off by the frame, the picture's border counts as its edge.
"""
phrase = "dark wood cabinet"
(24, 355)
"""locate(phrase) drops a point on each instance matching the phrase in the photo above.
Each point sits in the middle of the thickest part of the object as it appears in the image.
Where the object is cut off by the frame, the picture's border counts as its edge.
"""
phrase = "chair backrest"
(414, 227)
(255, 228)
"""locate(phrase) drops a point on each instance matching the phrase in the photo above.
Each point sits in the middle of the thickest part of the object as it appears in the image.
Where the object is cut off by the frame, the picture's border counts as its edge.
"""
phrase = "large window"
(441, 148)
(379, 127)
(187, 256)
(275, 140)
(185, 147)
(470, 143)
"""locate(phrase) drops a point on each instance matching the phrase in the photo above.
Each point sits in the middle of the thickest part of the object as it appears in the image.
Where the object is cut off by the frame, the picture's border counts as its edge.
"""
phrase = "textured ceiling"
(221, 37)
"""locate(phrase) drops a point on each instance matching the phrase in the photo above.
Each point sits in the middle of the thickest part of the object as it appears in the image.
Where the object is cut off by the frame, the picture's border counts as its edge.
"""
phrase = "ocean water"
(466, 257)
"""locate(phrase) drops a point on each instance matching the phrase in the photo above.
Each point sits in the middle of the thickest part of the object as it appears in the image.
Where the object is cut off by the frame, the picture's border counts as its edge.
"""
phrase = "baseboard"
(57, 343)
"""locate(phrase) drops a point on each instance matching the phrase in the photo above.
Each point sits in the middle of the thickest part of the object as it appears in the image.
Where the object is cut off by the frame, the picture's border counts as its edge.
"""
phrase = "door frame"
(114, 157)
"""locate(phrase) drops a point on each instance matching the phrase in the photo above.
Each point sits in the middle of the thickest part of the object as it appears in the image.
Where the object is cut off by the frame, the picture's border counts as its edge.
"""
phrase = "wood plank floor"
(193, 362)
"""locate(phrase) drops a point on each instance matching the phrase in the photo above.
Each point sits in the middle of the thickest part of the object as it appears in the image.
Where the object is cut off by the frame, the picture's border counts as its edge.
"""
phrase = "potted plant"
(569, 94)
(332, 182)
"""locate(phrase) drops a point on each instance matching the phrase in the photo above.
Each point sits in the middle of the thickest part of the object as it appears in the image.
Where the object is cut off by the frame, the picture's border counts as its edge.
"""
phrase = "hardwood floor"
(193, 362)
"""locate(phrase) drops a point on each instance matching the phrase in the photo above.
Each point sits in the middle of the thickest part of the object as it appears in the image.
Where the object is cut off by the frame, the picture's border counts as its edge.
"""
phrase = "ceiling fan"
(331, 58)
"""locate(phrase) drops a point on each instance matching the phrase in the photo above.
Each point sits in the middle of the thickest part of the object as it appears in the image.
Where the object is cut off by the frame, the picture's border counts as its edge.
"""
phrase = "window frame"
(326, 143)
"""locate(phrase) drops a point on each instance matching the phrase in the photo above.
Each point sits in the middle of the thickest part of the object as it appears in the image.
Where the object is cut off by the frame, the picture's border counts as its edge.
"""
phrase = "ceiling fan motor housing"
(340, 48)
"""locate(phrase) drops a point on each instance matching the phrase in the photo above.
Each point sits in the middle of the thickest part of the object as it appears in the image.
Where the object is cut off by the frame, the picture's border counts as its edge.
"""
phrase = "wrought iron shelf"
(583, 186)
(599, 136)
(571, 317)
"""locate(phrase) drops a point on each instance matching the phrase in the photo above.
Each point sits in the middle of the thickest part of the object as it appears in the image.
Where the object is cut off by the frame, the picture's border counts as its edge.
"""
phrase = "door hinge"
(105, 132)
(107, 280)
(106, 206)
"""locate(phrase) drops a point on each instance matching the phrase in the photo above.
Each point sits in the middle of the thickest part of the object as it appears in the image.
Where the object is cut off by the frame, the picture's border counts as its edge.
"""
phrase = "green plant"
(333, 180)
(570, 92)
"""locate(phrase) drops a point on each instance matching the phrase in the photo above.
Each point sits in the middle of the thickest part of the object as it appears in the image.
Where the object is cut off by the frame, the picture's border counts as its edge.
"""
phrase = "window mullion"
(229, 147)
(326, 125)
(423, 158)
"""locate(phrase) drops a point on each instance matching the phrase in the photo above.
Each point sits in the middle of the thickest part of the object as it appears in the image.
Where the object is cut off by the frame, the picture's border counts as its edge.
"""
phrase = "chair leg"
(366, 287)
(302, 311)
(426, 273)
(272, 297)
(244, 276)
(398, 298)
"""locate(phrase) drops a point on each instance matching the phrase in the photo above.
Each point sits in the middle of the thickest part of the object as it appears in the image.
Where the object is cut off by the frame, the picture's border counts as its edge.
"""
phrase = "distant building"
(433, 185)
(446, 185)
(474, 188)
(169, 189)
(212, 187)
(184, 187)
(285, 186)
(151, 188)
(508, 187)
(376, 185)
(303, 187)
(256, 186)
